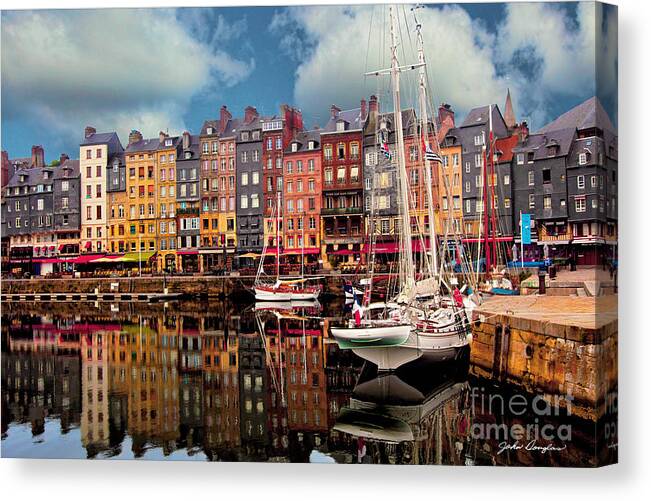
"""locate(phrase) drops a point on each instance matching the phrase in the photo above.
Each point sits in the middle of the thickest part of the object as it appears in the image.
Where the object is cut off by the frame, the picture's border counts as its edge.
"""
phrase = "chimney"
(362, 108)
(162, 136)
(63, 158)
(224, 117)
(186, 140)
(509, 115)
(250, 114)
(134, 136)
(372, 112)
(38, 156)
(334, 111)
(89, 131)
(522, 129)
(5, 169)
(445, 111)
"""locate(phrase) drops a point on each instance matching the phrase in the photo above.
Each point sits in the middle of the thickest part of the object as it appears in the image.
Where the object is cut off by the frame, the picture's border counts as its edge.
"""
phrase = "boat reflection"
(410, 417)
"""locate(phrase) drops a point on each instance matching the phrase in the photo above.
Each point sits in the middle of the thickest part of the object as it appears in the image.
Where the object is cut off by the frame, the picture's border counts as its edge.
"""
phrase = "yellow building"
(141, 188)
(450, 214)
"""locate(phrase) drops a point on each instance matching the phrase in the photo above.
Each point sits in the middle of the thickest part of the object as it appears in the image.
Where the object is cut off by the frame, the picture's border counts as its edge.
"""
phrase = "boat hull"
(418, 346)
(371, 337)
(284, 295)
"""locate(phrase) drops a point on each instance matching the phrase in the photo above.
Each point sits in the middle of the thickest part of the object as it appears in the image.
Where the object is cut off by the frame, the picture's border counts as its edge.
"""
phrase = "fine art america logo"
(527, 422)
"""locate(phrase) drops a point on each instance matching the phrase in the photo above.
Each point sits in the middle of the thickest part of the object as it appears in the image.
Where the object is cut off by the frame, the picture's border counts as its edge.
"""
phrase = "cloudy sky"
(170, 69)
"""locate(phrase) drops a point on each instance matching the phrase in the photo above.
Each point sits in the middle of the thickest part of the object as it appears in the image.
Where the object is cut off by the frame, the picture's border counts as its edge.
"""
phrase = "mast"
(278, 236)
(407, 263)
(422, 103)
(486, 201)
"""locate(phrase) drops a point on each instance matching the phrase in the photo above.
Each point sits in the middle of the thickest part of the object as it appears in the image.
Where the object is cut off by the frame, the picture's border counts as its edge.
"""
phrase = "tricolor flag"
(384, 148)
(357, 309)
(430, 155)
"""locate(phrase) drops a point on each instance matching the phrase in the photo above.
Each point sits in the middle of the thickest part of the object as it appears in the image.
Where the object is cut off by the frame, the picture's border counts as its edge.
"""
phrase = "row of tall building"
(199, 202)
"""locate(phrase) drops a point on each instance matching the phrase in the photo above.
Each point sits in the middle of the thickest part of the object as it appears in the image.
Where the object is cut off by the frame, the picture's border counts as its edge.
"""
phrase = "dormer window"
(341, 126)
(294, 147)
(310, 145)
(209, 130)
(245, 136)
(22, 178)
(46, 175)
(168, 142)
(188, 154)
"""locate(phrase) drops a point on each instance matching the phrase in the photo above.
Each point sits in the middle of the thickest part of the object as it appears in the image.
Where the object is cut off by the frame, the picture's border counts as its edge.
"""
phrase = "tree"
(55, 163)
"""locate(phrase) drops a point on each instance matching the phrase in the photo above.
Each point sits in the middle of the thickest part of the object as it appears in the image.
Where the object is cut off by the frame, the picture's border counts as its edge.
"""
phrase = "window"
(255, 156)
(341, 151)
(467, 186)
(520, 158)
(479, 140)
(547, 202)
(532, 201)
(354, 150)
(507, 203)
(255, 178)
(279, 143)
(580, 182)
(547, 176)
(244, 202)
(245, 178)
(88, 154)
(468, 206)
(354, 174)
(39, 204)
(579, 204)
(255, 202)
(593, 181)
(478, 160)
(583, 159)
(531, 178)
(64, 202)
(65, 186)
(507, 179)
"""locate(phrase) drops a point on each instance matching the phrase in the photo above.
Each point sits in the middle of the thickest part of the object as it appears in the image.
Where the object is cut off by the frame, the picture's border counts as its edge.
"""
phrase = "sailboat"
(290, 289)
(438, 328)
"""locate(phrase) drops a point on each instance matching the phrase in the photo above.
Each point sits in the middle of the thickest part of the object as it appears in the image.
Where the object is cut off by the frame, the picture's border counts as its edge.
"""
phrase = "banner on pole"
(525, 226)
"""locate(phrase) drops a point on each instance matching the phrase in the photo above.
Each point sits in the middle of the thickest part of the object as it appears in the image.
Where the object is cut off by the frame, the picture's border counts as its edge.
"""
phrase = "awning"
(187, 252)
(251, 255)
(109, 259)
(344, 252)
(49, 260)
(88, 244)
(44, 248)
(51, 248)
(136, 257)
(307, 251)
(61, 246)
(85, 258)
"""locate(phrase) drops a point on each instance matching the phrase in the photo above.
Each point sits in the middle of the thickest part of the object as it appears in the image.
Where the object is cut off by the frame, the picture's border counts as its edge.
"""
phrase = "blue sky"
(170, 69)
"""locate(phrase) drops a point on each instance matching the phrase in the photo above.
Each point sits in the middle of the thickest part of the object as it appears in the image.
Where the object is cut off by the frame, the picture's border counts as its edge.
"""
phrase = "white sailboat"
(291, 289)
(438, 328)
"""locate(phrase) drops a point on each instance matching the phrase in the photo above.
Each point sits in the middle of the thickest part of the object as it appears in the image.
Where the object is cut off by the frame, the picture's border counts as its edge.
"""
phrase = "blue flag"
(525, 228)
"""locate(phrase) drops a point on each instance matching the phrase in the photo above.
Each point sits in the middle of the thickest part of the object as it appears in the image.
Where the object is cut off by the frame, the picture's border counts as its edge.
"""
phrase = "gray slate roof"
(586, 115)
(73, 165)
(353, 119)
(303, 138)
(109, 138)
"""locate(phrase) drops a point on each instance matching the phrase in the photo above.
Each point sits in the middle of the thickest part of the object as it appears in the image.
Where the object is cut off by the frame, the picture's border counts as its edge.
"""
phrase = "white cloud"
(114, 69)
(468, 64)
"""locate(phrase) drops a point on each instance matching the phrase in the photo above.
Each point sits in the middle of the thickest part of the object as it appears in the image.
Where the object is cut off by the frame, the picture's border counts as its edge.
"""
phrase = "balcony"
(341, 211)
(188, 211)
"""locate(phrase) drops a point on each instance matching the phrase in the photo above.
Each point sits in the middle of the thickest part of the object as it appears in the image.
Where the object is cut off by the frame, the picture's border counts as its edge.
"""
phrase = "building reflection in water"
(230, 383)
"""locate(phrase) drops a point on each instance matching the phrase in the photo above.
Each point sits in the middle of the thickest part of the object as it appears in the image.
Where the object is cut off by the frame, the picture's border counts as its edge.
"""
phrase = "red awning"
(88, 244)
(187, 252)
(44, 248)
(311, 250)
(49, 260)
(497, 239)
(343, 252)
(51, 248)
(61, 247)
(86, 258)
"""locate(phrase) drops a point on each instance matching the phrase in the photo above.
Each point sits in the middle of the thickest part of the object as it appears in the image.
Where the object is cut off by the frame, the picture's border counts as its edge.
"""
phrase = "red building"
(277, 132)
(302, 198)
(342, 208)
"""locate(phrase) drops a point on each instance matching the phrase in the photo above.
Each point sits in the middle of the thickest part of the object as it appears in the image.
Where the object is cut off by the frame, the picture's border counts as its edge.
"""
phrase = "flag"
(357, 309)
(430, 155)
(525, 228)
(384, 148)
